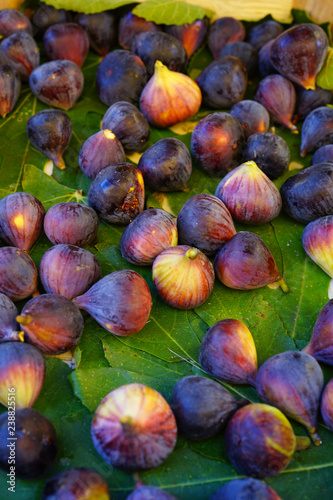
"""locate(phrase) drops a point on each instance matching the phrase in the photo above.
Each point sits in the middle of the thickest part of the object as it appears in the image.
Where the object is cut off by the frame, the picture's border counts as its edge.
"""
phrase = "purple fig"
(244, 52)
(18, 273)
(10, 87)
(264, 60)
(21, 52)
(252, 115)
(245, 488)
(223, 31)
(327, 405)
(101, 29)
(317, 241)
(131, 25)
(308, 100)
(66, 41)
(143, 492)
(191, 35)
(13, 21)
(76, 484)
(320, 345)
(264, 32)
(9, 328)
(47, 15)
(317, 129)
(323, 154)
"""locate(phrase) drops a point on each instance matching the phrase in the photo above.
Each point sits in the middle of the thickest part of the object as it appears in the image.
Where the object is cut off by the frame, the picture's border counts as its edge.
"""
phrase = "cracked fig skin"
(134, 428)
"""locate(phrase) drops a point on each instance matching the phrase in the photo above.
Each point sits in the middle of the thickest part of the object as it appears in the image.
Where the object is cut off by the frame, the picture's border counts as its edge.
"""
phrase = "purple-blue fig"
(13, 21)
(202, 407)
(68, 270)
(57, 83)
(18, 273)
(191, 35)
(99, 151)
(252, 115)
(47, 15)
(9, 328)
(317, 130)
(21, 52)
(263, 33)
(72, 223)
(143, 492)
(131, 25)
(52, 323)
(323, 154)
(293, 382)
(245, 488)
(128, 124)
(326, 405)
(147, 236)
(66, 41)
(77, 483)
(117, 193)
(278, 95)
(204, 222)
(264, 60)
(308, 100)
(50, 131)
(120, 302)
(317, 241)
(21, 219)
(216, 143)
(320, 345)
(223, 31)
(10, 87)
(101, 29)
(243, 51)
(270, 152)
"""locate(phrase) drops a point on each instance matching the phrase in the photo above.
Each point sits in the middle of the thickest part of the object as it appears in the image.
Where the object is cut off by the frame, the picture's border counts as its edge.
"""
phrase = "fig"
(50, 131)
(72, 223)
(169, 97)
(166, 165)
(191, 35)
(143, 492)
(117, 193)
(57, 83)
(22, 372)
(245, 263)
(99, 151)
(293, 382)
(204, 222)
(47, 15)
(128, 124)
(121, 76)
(68, 270)
(35, 447)
(21, 52)
(183, 276)
(327, 405)
(270, 152)
(320, 345)
(101, 30)
(120, 302)
(308, 195)
(131, 25)
(66, 41)
(216, 143)
(147, 236)
(249, 195)
(317, 239)
(9, 329)
(264, 60)
(202, 407)
(252, 115)
(228, 352)
(323, 154)
(223, 82)
(76, 484)
(21, 219)
(13, 21)
(245, 488)
(299, 53)
(308, 100)
(10, 87)
(18, 274)
(317, 130)
(52, 323)
(278, 95)
(224, 30)
(244, 52)
(263, 32)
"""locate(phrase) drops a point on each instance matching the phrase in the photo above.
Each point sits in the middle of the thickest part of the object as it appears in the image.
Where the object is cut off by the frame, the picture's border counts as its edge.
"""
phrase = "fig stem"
(317, 441)
(24, 320)
(283, 285)
(302, 443)
(192, 253)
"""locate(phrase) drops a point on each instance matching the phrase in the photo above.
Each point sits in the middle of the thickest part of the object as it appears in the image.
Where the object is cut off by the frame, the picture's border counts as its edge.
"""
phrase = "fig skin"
(68, 270)
(327, 405)
(18, 274)
(147, 236)
(243, 51)
(13, 21)
(191, 35)
(21, 52)
(265, 65)
(245, 488)
(308, 100)
(141, 425)
(204, 222)
(21, 219)
(66, 41)
(223, 31)
(71, 223)
(183, 276)
(10, 88)
(131, 25)
(202, 407)
(270, 152)
(228, 352)
(293, 382)
(317, 130)
(252, 115)
(320, 345)
(52, 323)
(143, 492)
(78, 483)
(9, 329)
(323, 155)
(22, 366)
(101, 30)
(47, 15)
(317, 239)
(127, 307)
(263, 32)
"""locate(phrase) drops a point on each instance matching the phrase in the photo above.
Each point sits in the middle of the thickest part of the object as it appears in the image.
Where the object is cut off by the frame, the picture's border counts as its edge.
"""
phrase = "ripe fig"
(317, 129)
(10, 87)
(245, 488)
(264, 32)
(183, 276)
(99, 151)
(293, 382)
(50, 131)
(18, 273)
(52, 323)
(216, 143)
(264, 60)
(21, 219)
(101, 30)
(21, 52)
(243, 51)
(147, 236)
(134, 428)
(68, 270)
(117, 193)
(57, 83)
(72, 223)
(13, 21)
(249, 195)
(321, 342)
(228, 352)
(166, 165)
(47, 15)
(252, 115)
(270, 152)
(317, 241)
(143, 492)
(120, 302)
(131, 25)
(191, 35)
(169, 97)
(323, 154)
(223, 31)
(36, 444)
(245, 263)
(22, 372)
(204, 222)
(76, 484)
(66, 41)
(202, 407)
(327, 405)
(9, 329)
(308, 100)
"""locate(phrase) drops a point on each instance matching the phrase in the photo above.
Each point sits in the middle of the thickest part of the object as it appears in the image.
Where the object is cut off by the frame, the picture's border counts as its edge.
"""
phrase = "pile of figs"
(142, 81)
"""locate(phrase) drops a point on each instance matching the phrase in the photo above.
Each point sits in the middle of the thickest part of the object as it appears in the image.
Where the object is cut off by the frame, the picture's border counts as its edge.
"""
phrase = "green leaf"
(91, 7)
(324, 78)
(171, 12)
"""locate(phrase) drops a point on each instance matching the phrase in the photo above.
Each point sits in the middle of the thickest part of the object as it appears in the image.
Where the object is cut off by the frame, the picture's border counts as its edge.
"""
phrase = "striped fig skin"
(21, 52)
(66, 41)
(321, 342)
(317, 239)
(327, 405)
(85, 483)
(9, 329)
(10, 87)
(13, 21)
(245, 488)
(18, 274)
